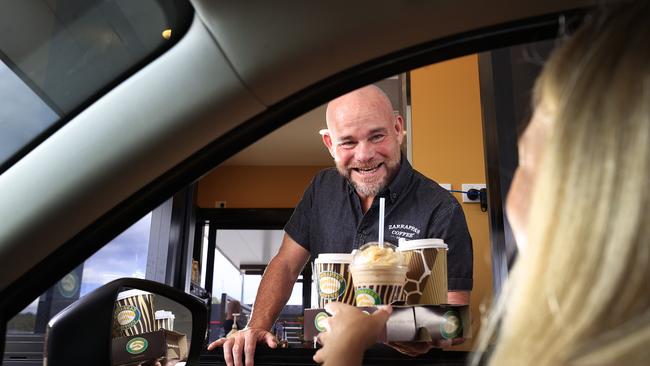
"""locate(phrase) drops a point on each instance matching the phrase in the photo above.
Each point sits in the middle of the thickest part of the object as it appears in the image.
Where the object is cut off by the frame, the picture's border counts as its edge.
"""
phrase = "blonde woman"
(579, 293)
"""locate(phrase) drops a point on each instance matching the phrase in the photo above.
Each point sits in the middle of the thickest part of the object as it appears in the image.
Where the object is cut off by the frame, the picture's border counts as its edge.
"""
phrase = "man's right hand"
(243, 341)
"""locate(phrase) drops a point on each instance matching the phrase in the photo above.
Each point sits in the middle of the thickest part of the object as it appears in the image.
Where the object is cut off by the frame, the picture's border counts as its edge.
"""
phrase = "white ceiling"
(252, 247)
(296, 143)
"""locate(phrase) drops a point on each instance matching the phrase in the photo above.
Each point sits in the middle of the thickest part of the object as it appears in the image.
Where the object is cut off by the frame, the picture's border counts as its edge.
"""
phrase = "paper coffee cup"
(426, 279)
(333, 278)
(378, 274)
(164, 320)
(133, 313)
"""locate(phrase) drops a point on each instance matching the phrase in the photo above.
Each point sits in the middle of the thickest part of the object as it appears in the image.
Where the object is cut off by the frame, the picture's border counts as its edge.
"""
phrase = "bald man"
(338, 212)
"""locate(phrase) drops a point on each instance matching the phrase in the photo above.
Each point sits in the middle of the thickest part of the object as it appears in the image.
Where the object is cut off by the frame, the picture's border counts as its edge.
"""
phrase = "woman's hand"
(349, 333)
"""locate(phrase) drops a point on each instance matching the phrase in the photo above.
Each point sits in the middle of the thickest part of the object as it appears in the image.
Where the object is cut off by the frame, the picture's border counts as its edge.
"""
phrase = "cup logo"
(331, 285)
(319, 321)
(137, 345)
(69, 285)
(126, 316)
(367, 297)
(451, 327)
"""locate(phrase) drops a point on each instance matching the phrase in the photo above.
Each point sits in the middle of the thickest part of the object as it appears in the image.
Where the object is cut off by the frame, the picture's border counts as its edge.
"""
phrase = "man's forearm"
(274, 292)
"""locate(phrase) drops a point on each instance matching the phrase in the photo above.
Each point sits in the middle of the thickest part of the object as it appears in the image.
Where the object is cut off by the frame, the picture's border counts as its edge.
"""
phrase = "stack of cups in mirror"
(333, 278)
(164, 320)
(426, 279)
(134, 313)
(378, 274)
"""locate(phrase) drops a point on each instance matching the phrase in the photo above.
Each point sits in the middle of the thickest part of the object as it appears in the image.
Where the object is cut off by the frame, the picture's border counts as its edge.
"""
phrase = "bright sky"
(126, 256)
(228, 279)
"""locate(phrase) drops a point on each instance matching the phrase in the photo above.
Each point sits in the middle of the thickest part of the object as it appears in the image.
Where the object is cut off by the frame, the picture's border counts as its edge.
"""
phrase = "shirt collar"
(399, 183)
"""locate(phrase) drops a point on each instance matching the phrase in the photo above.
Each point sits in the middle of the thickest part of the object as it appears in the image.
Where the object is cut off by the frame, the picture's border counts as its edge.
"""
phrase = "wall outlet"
(219, 204)
(446, 186)
(467, 186)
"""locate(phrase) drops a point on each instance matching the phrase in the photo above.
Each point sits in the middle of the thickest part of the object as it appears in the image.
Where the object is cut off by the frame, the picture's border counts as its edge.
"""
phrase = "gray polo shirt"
(329, 218)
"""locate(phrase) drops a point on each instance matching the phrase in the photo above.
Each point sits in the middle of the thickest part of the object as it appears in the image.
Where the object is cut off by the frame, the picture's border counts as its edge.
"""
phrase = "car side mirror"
(125, 322)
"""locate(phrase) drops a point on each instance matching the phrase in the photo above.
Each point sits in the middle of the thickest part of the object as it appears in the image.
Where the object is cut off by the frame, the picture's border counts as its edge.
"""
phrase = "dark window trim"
(246, 219)
(171, 240)
(258, 270)
(493, 165)
(253, 269)
(506, 85)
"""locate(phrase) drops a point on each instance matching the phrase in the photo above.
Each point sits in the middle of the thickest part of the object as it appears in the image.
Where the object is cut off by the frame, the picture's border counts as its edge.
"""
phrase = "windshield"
(56, 57)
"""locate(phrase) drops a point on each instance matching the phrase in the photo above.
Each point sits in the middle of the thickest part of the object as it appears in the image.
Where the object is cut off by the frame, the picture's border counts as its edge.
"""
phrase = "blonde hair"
(580, 293)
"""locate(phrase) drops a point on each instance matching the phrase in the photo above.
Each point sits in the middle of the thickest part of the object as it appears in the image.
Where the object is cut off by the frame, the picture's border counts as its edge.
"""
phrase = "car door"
(240, 71)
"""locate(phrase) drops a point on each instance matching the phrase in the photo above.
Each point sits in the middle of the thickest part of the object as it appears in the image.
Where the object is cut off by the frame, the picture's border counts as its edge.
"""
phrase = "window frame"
(122, 215)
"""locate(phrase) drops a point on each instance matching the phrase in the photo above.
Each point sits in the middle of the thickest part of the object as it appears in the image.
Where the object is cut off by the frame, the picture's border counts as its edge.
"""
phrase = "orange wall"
(255, 186)
(448, 148)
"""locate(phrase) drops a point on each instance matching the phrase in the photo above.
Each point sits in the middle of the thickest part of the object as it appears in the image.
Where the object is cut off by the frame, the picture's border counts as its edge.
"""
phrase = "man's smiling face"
(364, 138)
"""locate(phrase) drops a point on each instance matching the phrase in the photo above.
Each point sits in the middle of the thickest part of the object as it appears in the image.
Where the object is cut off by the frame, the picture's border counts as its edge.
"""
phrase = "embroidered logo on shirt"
(403, 231)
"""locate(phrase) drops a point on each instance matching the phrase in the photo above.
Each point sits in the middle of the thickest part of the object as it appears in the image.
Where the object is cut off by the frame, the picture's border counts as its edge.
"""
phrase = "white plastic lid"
(422, 244)
(373, 255)
(129, 293)
(334, 258)
(164, 314)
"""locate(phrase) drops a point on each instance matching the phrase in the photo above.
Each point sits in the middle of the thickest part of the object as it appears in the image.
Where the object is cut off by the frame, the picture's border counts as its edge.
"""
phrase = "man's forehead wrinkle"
(358, 109)
(368, 104)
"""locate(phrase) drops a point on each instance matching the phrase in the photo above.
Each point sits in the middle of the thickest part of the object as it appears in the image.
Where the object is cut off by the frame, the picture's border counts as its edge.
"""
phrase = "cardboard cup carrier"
(377, 282)
(426, 279)
(133, 314)
(333, 278)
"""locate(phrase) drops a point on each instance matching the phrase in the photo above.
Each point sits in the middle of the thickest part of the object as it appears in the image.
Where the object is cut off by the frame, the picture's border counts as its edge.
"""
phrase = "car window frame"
(125, 213)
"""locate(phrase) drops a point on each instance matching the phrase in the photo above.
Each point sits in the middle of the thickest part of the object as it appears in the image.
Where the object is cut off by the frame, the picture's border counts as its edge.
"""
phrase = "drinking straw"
(381, 221)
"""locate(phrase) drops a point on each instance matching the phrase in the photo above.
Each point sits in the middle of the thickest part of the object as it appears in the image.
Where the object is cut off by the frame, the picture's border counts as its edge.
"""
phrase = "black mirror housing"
(82, 333)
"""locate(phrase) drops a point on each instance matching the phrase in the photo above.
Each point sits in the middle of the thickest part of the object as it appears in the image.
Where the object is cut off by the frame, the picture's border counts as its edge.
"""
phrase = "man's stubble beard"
(371, 189)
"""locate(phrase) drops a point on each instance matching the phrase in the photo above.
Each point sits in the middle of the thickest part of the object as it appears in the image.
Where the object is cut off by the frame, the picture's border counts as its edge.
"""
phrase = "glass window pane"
(124, 256)
(23, 114)
(56, 56)
(227, 278)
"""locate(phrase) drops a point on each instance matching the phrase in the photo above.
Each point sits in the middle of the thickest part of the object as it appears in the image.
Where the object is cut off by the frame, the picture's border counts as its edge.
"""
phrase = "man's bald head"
(369, 97)
(364, 137)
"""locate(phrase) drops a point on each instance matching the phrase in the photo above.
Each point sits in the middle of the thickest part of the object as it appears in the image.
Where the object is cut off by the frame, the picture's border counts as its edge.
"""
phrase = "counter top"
(378, 355)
